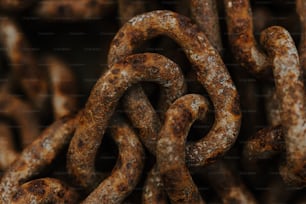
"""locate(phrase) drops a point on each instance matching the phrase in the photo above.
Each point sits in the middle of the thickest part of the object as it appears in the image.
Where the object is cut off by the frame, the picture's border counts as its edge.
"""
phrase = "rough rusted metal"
(32, 79)
(143, 116)
(149, 123)
(289, 87)
(265, 143)
(283, 58)
(22, 113)
(63, 87)
(72, 10)
(284, 107)
(242, 41)
(170, 152)
(8, 151)
(273, 109)
(45, 190)
(133, 106)
(300, 8)
(205, 14)
(228, 184)
(153, 190)
(127, 170)
(36, 156)
(103, 100)
(291, 94)
(209, 68)
(148, 126)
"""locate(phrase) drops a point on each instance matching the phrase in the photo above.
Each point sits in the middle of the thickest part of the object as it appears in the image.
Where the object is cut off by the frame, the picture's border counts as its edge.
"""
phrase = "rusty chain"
(109, 88)
(283, 58)
(172, 125)
(170, 150)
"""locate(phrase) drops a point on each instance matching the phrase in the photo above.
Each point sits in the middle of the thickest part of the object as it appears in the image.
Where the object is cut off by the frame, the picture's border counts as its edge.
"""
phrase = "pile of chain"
(189, 108)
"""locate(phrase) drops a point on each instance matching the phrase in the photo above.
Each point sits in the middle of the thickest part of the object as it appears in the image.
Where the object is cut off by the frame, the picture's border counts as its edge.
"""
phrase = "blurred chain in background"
(160, 101)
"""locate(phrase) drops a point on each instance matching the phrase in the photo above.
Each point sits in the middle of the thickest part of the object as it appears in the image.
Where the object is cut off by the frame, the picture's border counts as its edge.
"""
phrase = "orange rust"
(209, 68)
(272, 107)
(283, 58)
(205, 14)
(143, 116)
(282, 105)
(242, 41)
(153, 190)
(291, 94)
(135, 103)
(35, 157)
(127, 170)
(102, 102)
(265, 143)
(45, 190)
(170, 152)
(140, 112)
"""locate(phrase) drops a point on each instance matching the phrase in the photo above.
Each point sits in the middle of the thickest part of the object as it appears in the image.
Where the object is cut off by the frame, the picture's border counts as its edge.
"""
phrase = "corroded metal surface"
(170, 151)
(291, 93)
(45, 190)
(103, 100)
(265, 143)
(243, 43)
(141, 136)
(208, 66)
(205, 14)
(286, 107)
(153, 190)
(36, 156)
(128, 169)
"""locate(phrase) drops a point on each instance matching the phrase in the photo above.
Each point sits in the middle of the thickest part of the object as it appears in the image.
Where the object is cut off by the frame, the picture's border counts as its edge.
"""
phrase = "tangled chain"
(169, 116)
